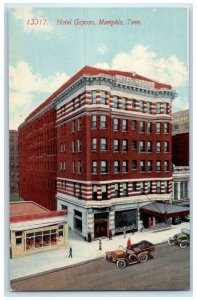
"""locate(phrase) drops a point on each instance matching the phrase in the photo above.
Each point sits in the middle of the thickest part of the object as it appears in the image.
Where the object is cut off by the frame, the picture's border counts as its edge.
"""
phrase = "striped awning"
(164, 210)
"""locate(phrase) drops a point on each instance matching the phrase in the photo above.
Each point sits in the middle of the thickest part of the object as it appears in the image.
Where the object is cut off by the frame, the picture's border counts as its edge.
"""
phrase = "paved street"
(169, 270)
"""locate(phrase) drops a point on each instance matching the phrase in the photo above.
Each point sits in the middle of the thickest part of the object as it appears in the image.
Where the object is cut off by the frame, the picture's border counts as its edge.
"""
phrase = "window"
(149, 187)
(116, 190)
(124, 106)
(115, 124)
(103, 121)
(134, 186)
(142, 146)
(94, 167)
(158, 187)
(94, 192)
(149, 146)
(142, 165)
(176, 191)
(124, 189)
(124, 145)
(73, 146)
(158, 108)
(102, 97)
(79, 167)
(94, 143)
(115, 102)
(165, 108)
(134, 164)
(18, 235)
(134, 145)
(103, 166)
(142, 130)
(166, 127)
(93, 97)
(158, 166)
(116, 145)
(79, 145)
(103, 144)
(79, 123)
(158, 127)
(158, 146)
(124, 125)
(61, 166)
(149, 128)
(166, 146)
(166, 165)
(133, 103)
(73, 125)
(73, 166)
(142, 187)
(141, 105)
(104, 191)
(133, 124)
(124, 166)
(165, 186)
(150, 165)
(93, 121)
(116, 166)
(148, 106)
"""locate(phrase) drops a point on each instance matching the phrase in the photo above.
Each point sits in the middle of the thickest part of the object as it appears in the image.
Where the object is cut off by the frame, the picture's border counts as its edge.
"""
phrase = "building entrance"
(100, 228)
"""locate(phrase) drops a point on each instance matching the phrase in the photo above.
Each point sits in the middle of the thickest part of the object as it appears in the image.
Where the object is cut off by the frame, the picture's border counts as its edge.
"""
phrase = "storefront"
(34, 229)
(162, 212)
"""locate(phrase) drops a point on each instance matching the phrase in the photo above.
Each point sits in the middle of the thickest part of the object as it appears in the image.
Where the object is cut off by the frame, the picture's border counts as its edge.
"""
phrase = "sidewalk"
(83, 251)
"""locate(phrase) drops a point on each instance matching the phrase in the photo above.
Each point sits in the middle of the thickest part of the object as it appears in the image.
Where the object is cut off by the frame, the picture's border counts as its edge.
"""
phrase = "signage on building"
(134, 81)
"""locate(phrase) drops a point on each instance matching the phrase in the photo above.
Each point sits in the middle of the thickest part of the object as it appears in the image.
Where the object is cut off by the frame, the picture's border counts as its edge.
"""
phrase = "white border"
(4, 156)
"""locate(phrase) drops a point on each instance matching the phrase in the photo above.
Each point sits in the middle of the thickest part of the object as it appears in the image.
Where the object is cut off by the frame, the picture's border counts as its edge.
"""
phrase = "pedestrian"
(70, 252)
(133, 228)
(110, 234)
(154, 221)
(89, 237)
(100, 244)
(149, 222)
(124, 231)
(129, 244)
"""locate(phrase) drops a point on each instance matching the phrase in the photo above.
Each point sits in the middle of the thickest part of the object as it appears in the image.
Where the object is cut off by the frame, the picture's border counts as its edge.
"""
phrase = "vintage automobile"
(139, 252)
(182, 239)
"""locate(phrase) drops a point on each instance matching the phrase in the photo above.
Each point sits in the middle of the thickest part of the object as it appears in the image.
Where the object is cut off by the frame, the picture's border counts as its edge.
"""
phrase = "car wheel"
(171, 241)
(183, 245)
(143, 257)
(121, 264)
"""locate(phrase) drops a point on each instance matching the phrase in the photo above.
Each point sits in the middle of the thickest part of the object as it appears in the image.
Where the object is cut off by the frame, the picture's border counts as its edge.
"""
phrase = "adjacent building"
(13, 157)
(99, 148)
(34, 229)
(180, 157)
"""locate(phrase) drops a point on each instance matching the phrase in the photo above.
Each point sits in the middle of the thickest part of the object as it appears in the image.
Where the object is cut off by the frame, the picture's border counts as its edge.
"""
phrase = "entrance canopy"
(164, 210)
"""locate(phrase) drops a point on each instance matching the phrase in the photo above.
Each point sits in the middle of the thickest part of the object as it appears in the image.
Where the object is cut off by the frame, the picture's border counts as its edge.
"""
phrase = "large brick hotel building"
(99, 147)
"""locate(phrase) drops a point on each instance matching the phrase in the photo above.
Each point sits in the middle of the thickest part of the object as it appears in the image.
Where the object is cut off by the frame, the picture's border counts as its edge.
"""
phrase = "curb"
(65, 267)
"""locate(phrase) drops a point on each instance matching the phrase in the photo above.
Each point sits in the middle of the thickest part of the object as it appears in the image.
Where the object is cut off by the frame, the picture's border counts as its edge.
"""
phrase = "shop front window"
(43, 238)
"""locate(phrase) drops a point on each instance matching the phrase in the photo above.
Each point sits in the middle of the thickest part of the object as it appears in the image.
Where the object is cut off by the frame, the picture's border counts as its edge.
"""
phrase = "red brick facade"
(99, 137)
(14, 170)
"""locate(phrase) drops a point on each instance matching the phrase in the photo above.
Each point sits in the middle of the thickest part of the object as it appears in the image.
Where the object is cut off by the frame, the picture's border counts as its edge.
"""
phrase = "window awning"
(164, 210)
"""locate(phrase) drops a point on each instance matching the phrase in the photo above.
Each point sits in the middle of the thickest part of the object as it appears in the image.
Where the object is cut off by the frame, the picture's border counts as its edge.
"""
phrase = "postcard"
(99, 148)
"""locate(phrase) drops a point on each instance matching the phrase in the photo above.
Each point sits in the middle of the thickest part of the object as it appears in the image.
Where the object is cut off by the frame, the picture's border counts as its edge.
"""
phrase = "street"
(168, 270)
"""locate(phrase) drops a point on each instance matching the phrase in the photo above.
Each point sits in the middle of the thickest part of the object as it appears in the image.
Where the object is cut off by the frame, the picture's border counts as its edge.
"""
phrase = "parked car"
(176, 221)
(139, 252)
(185, 218)
(182, 239)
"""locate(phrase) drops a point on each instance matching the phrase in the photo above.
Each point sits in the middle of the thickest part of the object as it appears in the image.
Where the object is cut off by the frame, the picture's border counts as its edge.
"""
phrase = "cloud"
(147, 63)
(180, 103)
(102, 49)
(25, 14)
(27, 90)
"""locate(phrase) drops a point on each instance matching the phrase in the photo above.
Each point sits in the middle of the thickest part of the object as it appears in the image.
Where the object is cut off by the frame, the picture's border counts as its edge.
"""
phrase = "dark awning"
(164, 210)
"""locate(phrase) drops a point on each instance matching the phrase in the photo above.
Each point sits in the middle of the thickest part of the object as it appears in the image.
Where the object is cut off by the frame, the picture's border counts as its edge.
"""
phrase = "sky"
(43, 57)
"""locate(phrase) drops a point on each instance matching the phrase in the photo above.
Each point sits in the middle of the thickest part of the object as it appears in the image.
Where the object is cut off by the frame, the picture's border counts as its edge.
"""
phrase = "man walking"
(70, 252)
